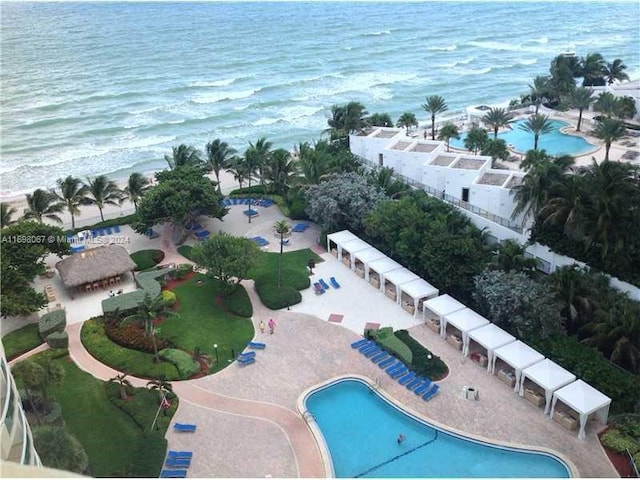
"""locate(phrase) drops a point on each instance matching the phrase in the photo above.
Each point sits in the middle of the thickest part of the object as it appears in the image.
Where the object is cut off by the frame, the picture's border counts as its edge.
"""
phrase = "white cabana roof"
(340, 237)
(490, 336)
(464, 320)
(384, 265)
(368, 255)
(355, 245)
(418, 289)
(585, 400)
(517, 354)
(400, 276)
(443, 305)
(549, 375)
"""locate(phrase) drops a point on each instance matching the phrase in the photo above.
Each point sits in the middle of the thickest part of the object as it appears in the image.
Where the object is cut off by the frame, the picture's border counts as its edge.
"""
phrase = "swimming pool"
(554, 142)
(360, 429)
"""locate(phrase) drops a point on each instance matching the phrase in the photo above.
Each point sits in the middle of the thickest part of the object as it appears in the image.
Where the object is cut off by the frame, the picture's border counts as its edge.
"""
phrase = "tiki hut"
(95, 268)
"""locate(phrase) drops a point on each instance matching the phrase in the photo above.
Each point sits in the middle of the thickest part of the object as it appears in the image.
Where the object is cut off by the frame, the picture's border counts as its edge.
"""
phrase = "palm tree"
(183, 156)
(161, 386)
(74, 194)
(379, 120)
(593, 70)
(136, 186)
(407, 120)
(581, 98)
(497, 118)
(282, 228)
(101, 192)
(511, 256)
(43, 204)
(6, 212)
(609, 130)
(237, 167)
(496, 148)
(537, 125)
(616, 72)
(219, 156)
(261, 151)
(123, 384)
(475, 139)
(383, 178)
(435, 105)
(314, 163)
(539, 90)
(282, 170)
(607, 104)
(346, 119)
(148, 311)
(447, 132)
(534, 157)
(565, 205)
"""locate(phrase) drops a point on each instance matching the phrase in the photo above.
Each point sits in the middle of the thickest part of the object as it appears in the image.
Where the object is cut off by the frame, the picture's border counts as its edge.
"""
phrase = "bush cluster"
(238, 303)
(145, 259)
(21, 341)
(186, 365)
(169, 297)
(619, 442)
(433, 368)
(58, 340)
(55, 321)
(273, 297)
(131, 335)
(391, 344)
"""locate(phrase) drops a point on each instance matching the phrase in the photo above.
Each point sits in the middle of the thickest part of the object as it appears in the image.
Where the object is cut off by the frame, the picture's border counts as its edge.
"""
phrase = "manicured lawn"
(21, 340)
(203, 322)
(145, 259)
(292, 263)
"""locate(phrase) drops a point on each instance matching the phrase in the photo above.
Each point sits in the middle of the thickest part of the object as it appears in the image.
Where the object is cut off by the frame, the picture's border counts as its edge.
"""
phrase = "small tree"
(282, 228)
(59, 449)
(407, 120)
(123, 384)
(496, 148)
(447, 132)
(161, 386)
(475, 139)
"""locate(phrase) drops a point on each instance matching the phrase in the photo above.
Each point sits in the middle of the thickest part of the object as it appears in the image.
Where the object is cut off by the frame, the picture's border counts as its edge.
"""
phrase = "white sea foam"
(542, 40)
(473, 71)
(220, 96)
(377, 34)
(528, 61)
(218, 83)
(265, 121)
(447, 48)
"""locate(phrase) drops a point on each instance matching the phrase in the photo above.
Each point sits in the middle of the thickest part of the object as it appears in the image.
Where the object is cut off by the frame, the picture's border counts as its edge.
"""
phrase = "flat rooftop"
(467, 163)
(400, 145)
(424, 147)
(514, 182)
(443, 161)
(385, 133)
(493, 179)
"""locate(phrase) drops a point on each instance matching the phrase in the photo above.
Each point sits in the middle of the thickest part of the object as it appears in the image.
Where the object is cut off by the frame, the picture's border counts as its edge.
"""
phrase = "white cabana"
(351, 247)
(585, 400)
(381, 267)
(395, 278)
(365, 257)
(517, 354)
(441, 306)
(549, 375)
(490, 337)
(338, 238)
(418, 290)
(464, 320)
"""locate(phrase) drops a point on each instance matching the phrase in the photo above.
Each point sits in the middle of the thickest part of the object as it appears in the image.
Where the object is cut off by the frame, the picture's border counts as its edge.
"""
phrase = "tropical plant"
(581, 98)
(563, 69)
(58, 449)
(379, 120)
(435, 104)
(511, 257)
(43, 204)
(407, 120)
(101, 192)
(496, 148)
(262, 152)
(161, 386)
(566, 205)
(74, 194)
(383, 178)
(184, 156)
(346, 119)
(447, 132)
(534, 157)
(609, 130)
(137, 185)
(123, 384)
(537, 125)
(475, 139)
(607, 104)
(615, 71)
(282, 228)
(219, 156)
(281, 170)
(593, 70)
(315, 163)
(497, 118)
(238, 168)
(6, 214)
(539, 90)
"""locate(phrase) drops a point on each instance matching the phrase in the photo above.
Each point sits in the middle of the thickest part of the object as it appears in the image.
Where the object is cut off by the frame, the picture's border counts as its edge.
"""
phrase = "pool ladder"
(308, 416)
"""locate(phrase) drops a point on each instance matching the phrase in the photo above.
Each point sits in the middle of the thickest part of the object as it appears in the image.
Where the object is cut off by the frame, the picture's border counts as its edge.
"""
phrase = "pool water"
(554, 142)
(361, 429)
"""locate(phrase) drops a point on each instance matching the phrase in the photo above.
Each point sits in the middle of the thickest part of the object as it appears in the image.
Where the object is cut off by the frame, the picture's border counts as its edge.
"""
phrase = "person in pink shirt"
(272, 325)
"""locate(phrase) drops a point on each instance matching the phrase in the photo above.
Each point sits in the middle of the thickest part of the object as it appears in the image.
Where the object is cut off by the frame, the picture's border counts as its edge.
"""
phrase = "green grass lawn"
(292, 262)
(203, 322)
(145, 259)
(21, 340)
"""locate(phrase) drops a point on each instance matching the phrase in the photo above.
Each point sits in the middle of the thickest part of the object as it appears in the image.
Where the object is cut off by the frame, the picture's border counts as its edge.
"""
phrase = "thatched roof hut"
(94, 265)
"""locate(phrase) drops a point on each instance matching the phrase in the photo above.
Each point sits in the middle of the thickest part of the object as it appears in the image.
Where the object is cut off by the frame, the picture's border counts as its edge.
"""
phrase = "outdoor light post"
(215, 348)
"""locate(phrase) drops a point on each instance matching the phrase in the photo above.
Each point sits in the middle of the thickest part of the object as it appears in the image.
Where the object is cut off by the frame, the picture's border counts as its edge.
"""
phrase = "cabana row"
(398, 283)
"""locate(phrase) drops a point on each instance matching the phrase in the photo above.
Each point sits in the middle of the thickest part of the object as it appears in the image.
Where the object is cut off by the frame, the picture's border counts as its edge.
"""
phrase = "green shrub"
(249, 191)
(147, 283)
(58, 340)
(21, 341)
(433, 368)
(123, 220)
(185, 251)
(54, 416)
(392, 344)
(142, 406)
(636, 459)
(628, 423)
(619, 442)
(238, 303)
(169, 297)
(273, 297)
(55, 321)
(132, 336)
(183, 270)
(186, 365)
(145, 259)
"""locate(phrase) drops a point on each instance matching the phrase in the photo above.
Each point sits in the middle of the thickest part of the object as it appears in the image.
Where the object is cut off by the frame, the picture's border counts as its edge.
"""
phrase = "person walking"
(261, 326)
(272, 325)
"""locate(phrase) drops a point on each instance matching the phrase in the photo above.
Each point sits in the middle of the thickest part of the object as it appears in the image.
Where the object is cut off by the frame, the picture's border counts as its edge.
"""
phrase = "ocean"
(108, 88)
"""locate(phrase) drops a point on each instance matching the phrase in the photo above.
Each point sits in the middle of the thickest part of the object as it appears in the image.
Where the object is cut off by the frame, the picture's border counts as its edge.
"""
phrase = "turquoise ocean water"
(93, 88)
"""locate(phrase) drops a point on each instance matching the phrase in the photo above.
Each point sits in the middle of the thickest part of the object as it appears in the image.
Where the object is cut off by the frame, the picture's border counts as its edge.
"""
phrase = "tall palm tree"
(539, 90)
(615, 71)
(607, 104)
(261, 151)
(74, 194)
(475, 139)
(282, 170)
(511, 257)
(252, 162)
(346, 119)
(447, 132)
(379, 120)
(593, 70)
(581, 98)
(102, 192)
(496, 148)
(609, 130)
(6, 212)
(123, 384)
(184, 155)
(137, 185)
(435, 105)
(161, 386)
(383, 178)
(237, 167)
(314, 163)
(407, 120)
(219, 156)
(537, 125)
(43, 204)
(282, 228)
(497, 118)
(566, 205)
(534, 157)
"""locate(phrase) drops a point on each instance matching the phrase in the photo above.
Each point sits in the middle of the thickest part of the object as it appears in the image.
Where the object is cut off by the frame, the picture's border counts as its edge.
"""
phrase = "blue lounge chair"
(94, 233)
(246, 360)
(368, 348)
(395, 367)
(380, 357)
(367, 345)
(178, 462)
(202, 233)
(372, 352)
(116, 229)
(249, 354)
(431, 392)
(257, 345)
(318, 288)
(108, 230)
(184, 427)
(407, 378)
(359, 343)
(101, 232)
(77, 248)
(267, 203)
(179, 454)
(423, 388)
(234, 201)
(173, 473)
(414, 383)
(334, 282)
(387, 362)
(324, 284)
(399, 372)
(227, 202)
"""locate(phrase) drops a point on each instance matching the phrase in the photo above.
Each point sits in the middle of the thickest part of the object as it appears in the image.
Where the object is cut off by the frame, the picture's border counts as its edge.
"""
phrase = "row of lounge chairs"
(96, 232)
(202, 235)
(176, 462)
(396, 369)
(247, 358)
(260, 241)
(299, 227)
(260, 202)
(321, 286)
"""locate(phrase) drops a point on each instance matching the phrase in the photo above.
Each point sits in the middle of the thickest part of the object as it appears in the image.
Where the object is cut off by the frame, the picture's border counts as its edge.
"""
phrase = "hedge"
(185, 251)
(392, 344)
(187, 366)
(145, 259)
(21, 341)
(273, 297)
(58, 340)
(147, 283)
(433, 368)
(238, 303)
(123, 220)
(54, 321)
(169, 297)
(619, 442)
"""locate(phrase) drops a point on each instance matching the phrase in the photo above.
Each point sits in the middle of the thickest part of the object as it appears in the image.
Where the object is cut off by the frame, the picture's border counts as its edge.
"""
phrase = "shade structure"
(418, 290)
(464, 320)
(339, 238)
(549, 375)
(519, 355)
(94, 265)
(490, 336)
(397, 278)
(585, 400)
(382, 266)
(352, 247)
(366, 256)
(442, 305)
